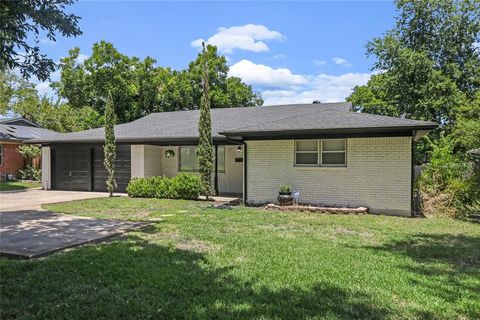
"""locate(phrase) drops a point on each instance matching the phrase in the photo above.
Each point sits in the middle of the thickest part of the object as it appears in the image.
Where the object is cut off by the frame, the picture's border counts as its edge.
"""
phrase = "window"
(334, 152)
(1, 154)
(327, 153)
(188, 161)
(306, 152)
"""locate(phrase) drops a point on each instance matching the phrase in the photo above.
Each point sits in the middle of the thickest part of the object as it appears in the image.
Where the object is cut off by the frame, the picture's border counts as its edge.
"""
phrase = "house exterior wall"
(150, 161)
(170, 165)
(12, 161)
(377, 175)
(146, 161)
(46, 168)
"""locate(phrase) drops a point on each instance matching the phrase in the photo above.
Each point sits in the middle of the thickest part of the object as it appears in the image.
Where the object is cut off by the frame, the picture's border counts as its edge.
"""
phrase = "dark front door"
(73, 168)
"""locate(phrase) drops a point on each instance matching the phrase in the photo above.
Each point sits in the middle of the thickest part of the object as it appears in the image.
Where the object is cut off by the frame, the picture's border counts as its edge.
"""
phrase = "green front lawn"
(197, 262)
(17, 185)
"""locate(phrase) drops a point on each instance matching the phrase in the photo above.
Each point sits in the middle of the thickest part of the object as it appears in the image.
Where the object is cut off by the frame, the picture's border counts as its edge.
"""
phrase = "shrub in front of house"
(141, 188)
(162, 187)
(185, 186)
(182, 186)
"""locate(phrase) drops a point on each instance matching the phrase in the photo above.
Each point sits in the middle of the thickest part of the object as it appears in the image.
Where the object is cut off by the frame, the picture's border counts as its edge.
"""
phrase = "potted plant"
(285, 197)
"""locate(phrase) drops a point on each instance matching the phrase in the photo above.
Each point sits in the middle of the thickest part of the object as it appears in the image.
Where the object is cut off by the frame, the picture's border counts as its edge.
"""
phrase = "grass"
(202, 263)
(17, 185)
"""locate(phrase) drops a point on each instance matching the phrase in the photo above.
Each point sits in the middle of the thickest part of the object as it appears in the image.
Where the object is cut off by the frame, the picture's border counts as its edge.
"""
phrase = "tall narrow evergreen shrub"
(205, 144)
(109, 148)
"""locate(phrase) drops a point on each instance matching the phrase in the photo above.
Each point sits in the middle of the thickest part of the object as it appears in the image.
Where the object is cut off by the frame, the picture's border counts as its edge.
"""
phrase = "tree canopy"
(19, 97)
(428, 65)
(139, 87)
(21, 18)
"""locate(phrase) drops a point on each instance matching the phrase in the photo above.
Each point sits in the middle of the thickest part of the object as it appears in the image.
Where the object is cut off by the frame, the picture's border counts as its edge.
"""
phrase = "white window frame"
(322, 152)
(319, 154)
(295, 154)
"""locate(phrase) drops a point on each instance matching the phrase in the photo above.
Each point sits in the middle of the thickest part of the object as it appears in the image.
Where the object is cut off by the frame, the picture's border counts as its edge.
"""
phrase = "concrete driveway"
(32, 199)
(28, 231)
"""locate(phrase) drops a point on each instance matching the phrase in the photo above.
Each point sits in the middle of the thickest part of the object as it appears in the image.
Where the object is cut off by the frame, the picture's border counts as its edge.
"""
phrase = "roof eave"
(158, 141)
(335, 131)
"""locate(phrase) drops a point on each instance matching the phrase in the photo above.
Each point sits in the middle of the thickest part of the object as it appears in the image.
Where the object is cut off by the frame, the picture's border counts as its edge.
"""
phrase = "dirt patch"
(342, 230)
(194, 245)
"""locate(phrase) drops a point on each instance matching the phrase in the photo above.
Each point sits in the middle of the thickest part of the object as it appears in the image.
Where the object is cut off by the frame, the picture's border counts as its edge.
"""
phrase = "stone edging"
(344, 210)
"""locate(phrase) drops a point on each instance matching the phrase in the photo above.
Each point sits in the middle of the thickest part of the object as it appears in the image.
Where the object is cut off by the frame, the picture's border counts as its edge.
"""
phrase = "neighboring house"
(13, 133)
(332, 155)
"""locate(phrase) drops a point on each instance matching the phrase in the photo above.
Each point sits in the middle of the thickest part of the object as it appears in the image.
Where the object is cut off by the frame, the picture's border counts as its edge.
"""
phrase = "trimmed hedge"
(182, 186)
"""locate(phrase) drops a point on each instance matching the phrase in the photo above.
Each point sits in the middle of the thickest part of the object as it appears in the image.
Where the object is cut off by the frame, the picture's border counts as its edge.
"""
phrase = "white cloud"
(43, 88)
(319, 62)
(281, 85)
(248, 37)
(342, 62)
(323, 87)
(82, 57)
(265, 76)
(279, 56)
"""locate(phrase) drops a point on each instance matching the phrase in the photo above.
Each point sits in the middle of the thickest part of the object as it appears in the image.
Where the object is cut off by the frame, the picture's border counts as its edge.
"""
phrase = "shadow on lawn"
(136, 279)
(447, 266)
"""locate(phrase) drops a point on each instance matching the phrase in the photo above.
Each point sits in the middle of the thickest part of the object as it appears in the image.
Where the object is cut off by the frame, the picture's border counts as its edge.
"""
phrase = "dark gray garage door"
(81, 168)
(72, 168)
(122, 169)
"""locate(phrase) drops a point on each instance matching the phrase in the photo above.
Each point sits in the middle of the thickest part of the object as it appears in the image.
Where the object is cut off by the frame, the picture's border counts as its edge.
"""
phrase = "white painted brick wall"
(377, 175)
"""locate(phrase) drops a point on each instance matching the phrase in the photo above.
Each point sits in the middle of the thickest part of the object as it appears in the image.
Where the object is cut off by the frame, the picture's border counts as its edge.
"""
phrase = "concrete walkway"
(26, 230)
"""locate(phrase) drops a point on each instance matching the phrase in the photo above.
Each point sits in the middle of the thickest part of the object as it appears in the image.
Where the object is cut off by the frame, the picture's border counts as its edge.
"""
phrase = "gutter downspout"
(244, 172)
(412, 175)
(215, 181)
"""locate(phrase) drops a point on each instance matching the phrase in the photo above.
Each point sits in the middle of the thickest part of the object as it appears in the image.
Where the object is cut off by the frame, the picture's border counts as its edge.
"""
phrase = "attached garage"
(80, 167)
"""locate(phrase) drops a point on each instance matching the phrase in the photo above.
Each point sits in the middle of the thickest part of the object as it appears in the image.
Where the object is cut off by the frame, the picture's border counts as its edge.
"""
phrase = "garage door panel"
(81, 168)
(122, 168)
(72, 168)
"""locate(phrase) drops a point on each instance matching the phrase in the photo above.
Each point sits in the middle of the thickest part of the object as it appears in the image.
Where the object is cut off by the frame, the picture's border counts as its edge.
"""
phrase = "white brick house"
(331, 155)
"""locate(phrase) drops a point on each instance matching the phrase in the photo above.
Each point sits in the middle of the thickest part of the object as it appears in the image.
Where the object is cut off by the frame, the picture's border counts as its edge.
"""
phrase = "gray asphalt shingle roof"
(182, 125)
(10, 131)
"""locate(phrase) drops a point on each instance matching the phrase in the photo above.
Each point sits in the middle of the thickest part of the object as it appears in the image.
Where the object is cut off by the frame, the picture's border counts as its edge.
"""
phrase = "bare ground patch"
(195, 246)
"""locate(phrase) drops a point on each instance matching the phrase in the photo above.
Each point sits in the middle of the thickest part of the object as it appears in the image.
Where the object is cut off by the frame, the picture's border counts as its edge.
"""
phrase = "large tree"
(428, 66)
(141, 87)
(21, 19)
(205, 144)
(226, 92)
(18, 97)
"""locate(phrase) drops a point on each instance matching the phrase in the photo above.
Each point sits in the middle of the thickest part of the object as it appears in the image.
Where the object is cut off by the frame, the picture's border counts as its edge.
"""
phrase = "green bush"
(141, 188)
(183, 186)
(30, 173)
(161, 187)
(448, 184)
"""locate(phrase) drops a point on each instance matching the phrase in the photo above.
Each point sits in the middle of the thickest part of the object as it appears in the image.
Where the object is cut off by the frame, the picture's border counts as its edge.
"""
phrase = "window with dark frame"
(322, 153)
(1, 154)
(188, 161)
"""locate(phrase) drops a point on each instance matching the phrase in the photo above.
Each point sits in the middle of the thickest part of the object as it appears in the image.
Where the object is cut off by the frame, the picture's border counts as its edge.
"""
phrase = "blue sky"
(289, 51)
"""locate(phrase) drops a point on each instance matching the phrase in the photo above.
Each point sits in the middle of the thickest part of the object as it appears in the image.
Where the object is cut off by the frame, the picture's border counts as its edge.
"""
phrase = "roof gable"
(18, 122)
